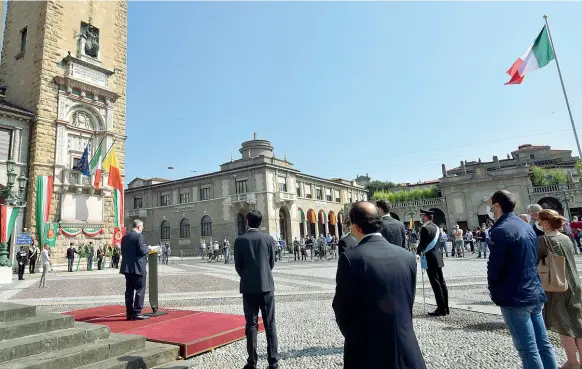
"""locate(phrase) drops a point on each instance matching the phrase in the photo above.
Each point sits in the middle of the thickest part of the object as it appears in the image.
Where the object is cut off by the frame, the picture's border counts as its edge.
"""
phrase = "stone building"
(65, 61)
(213, 206)
(15, 125)
(464, 190)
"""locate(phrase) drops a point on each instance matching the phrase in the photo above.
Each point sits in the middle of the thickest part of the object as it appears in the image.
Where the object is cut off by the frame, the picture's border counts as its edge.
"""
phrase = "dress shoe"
(437, 312)
(138, 317)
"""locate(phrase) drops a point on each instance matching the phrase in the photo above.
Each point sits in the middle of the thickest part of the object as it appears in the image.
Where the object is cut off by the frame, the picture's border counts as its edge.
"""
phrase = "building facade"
(464, 190)
(74, 83)
(214, 206)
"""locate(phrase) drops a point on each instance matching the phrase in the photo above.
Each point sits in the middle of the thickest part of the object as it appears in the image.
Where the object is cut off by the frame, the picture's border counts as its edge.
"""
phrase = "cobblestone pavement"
(473, 336)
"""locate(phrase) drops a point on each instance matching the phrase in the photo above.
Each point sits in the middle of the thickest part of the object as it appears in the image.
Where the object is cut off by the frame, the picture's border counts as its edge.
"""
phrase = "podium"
(153, 284)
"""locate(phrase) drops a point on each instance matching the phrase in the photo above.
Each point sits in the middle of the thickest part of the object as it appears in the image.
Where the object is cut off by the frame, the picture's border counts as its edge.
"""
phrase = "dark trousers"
(31, 265)
(90, 263)
(70, 264)
(134, 283)
(99, 263)
(252, 303)
(439, 287)
(21, 270)
(116, 262)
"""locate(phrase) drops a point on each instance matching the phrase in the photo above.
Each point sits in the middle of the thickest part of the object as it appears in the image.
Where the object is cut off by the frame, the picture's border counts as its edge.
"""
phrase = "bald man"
(376, 285)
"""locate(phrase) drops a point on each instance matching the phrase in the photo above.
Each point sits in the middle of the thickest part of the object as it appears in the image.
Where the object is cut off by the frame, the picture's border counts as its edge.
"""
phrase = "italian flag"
(44, 194)
(8, 215)
(535, 57)
(118, 207)
(95, 165)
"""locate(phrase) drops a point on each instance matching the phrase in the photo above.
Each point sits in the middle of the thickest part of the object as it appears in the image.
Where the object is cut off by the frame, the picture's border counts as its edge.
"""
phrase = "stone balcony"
(136, 213)
(553, 189)
(249, 198)
(285, 197)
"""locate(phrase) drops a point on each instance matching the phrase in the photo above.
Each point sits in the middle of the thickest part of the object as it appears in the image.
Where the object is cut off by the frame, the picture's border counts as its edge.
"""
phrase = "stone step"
(81, 334)
(178, 364)
(41, 323)
(75, 357)
(153, 354)
(11, 312)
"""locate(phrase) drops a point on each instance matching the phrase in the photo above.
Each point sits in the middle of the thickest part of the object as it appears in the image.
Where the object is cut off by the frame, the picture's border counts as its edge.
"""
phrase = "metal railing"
(421, 202)
(553, 188)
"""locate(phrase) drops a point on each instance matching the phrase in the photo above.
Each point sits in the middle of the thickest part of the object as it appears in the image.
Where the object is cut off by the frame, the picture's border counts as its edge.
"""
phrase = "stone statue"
(82, 120)
(91, 35)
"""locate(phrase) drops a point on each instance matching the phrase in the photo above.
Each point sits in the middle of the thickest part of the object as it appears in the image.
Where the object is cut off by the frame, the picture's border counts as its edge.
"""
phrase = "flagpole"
(110, 147)
(563, 88)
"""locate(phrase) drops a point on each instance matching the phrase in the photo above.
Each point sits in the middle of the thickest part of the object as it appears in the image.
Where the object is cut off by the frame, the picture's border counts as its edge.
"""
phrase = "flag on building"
(95, 167)
(111, 165)
(50, 235)
(535, 57)
(118, 234)
(8, 215)
(44, 194)
(83, 163)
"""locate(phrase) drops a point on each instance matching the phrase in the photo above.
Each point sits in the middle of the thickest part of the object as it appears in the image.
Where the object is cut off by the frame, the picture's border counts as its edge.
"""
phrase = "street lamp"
(13, 199)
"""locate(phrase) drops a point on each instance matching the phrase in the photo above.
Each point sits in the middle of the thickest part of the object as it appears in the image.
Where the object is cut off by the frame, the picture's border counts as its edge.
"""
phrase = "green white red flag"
(537, 56)
(44, 194)
(95, 166)
(8, 215)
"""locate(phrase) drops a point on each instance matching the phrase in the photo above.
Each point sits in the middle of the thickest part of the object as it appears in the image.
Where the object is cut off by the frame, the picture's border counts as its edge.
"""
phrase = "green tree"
(557, 177)
(406, 195)
(579, 169)
(539, 176)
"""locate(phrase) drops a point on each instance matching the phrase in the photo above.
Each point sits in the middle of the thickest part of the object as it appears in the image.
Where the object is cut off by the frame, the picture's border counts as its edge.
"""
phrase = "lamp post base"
(5, 275)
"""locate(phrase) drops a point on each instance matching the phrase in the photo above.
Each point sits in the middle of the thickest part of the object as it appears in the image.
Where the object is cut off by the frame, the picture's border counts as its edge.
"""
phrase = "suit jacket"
(134, 253)
(434, 258)
(376, 286)
(393, 231)
(346, 243)
(254, 258)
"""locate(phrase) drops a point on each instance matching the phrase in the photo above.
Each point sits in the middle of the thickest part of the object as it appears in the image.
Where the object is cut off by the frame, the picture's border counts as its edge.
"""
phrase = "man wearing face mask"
(532, 217)
(376, 285)
(347, 241)
(514, 284)
(433, 262)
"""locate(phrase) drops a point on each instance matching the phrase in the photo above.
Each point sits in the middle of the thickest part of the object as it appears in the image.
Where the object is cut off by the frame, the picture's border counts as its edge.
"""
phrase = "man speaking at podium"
(133, 265)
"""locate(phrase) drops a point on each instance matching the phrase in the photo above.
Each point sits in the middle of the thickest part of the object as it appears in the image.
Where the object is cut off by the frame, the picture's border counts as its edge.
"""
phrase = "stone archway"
(321, 220)
(340, 224)
(439, 218)
(285, 225)
(311, 220)
(301, 223)
(552, 203)
(241, 224)
(332, 223)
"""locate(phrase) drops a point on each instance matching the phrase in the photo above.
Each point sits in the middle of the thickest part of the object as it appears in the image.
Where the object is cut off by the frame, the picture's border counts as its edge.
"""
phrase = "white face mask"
(528, 216)
(490, 213)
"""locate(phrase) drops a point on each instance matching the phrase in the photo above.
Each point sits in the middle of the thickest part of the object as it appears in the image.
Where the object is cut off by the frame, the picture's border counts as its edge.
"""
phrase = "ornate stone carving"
(83, 120)
(91, 35)
(77, 143)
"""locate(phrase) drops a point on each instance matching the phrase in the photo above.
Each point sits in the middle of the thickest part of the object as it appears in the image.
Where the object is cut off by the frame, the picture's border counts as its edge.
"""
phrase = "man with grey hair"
(133, 265)
(532, 215)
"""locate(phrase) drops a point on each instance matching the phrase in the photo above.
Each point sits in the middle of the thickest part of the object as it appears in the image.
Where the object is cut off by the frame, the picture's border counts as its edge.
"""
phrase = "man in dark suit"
(376, 285)
(133, 264)
(434, 260)
(254, 258)
(347, 241)
(392, 229)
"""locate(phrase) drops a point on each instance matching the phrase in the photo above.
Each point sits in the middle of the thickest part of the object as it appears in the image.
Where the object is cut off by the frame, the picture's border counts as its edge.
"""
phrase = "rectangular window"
(23, 36)
(308, 191)
(5, 140)
(137, 203)
(282, 184)
(205, 193)
(76, 163)
(184, 197)
(328, 194)
(165, 200)
(241, 186)
(318, 194)
(298, 190)
(337, 196)
(350, 197)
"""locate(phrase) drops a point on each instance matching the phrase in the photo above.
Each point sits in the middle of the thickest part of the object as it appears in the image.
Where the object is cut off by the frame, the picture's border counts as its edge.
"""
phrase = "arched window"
(185, 228)
(165, 230)
(241, 224)
(206, 226)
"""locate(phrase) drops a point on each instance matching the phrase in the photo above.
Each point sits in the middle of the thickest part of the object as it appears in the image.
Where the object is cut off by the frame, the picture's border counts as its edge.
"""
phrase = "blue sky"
(389, 89)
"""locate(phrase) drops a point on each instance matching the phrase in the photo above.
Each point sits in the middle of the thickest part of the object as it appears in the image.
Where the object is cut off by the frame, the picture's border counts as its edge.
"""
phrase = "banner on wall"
(50, 234)
(118, 234)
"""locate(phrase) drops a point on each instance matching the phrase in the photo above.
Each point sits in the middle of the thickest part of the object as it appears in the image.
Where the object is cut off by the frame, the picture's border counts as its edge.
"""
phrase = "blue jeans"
(483, 248)
(529, 335)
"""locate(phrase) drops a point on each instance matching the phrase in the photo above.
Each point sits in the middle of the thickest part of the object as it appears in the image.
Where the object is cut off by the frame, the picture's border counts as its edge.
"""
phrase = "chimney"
(444, 170)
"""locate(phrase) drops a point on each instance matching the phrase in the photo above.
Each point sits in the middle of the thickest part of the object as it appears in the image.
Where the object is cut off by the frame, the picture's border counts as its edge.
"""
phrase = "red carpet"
(193, 331)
